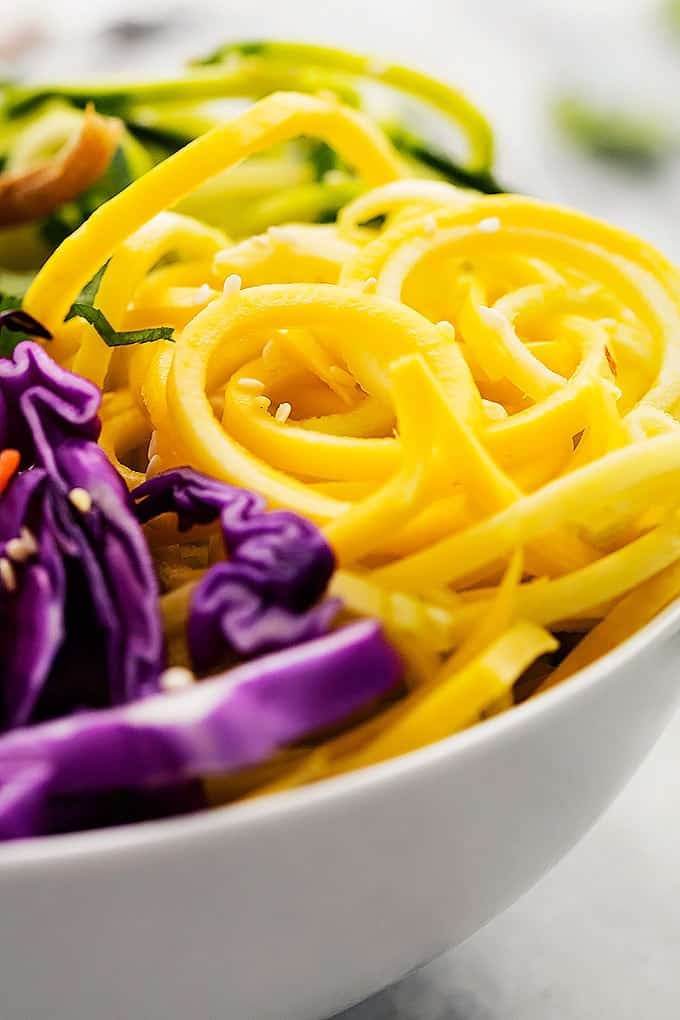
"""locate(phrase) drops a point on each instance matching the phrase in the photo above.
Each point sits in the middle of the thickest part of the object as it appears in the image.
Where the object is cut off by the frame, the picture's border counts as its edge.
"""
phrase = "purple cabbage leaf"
(79, 621)
(80, 632)
(265, 596)
(216, 726)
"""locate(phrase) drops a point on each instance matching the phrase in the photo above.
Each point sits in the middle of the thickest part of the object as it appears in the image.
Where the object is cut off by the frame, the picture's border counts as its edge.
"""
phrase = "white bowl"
(294, 906)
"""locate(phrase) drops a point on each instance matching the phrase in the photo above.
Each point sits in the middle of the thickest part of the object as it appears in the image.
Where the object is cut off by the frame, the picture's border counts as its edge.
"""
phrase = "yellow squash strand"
(475, 396)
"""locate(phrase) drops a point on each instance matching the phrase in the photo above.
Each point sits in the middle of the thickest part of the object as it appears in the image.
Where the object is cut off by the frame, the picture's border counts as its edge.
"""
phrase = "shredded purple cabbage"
(266, 595)
(219, 725)
(80, 625)
(79, 622)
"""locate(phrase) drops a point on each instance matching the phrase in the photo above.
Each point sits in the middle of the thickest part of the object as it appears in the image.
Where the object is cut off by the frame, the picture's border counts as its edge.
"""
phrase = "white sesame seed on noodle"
(232, 284)
(283, 412)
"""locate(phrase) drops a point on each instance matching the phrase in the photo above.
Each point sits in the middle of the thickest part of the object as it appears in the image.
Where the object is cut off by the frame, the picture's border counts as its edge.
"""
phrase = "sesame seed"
(492, 317)
(251, 384)
(283, 412)
(447, 328)
(490, 225)
(369, 285)
(7, 575)
(429, 224)
(263, 403)
(153, 445)
(81, 499)
(154, 467)
(176, 678)
(16, 550)
(232, 284)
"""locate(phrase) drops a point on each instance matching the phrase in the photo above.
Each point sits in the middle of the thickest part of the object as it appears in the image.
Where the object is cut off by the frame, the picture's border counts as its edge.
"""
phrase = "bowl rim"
(164, 833)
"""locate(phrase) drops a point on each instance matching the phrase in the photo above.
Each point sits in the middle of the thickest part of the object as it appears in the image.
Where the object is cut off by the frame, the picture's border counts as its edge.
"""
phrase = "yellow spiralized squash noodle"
(476, 397)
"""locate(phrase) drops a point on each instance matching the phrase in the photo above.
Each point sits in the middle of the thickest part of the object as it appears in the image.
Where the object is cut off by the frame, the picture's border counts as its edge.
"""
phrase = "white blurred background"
(599, 939)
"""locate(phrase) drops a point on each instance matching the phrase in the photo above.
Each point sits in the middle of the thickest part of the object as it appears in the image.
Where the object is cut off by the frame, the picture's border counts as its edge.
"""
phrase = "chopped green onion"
(113, 337)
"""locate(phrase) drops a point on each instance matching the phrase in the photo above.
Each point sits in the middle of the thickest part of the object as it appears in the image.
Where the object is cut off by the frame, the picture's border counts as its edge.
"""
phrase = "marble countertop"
(599, 938)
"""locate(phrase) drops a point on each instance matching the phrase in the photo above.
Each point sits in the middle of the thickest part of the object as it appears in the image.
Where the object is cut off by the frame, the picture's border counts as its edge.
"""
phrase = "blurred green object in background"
(633, 139)
(671, 11)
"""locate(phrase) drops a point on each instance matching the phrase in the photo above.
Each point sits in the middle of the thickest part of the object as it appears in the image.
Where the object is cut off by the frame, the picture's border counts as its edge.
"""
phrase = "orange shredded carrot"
(9, 462)
(31, 194)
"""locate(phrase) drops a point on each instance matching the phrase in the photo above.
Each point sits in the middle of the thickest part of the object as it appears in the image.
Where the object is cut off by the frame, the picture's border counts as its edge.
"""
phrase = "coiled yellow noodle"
(447, 382)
